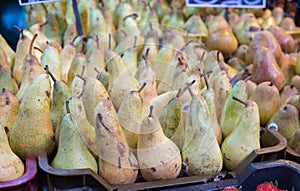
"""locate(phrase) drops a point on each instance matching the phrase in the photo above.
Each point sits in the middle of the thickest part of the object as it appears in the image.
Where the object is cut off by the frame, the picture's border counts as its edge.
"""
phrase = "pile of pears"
(150, 88)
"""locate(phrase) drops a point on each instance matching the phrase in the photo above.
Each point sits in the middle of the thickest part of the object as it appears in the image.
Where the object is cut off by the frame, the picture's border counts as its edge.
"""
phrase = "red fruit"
(230, 189)
(267, 187)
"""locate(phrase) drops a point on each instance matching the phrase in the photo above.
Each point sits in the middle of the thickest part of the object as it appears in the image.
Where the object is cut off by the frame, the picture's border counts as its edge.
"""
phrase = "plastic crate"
(275, 145)
(25, 182)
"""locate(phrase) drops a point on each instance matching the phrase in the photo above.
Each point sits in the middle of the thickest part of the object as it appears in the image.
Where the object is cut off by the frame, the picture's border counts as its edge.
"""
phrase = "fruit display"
(147, 89)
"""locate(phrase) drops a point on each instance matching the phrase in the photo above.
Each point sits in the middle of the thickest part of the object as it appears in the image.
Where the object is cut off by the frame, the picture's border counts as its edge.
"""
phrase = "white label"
(29, 2)
(227, 3)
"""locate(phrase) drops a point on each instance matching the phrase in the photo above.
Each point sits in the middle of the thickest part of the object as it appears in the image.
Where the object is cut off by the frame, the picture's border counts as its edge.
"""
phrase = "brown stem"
(84, 41)
(133, 15)
(202, 56)
(43, 24)
(218, 56)
(100, 120)
(185, 45)
(271, 84)
(178, 93)
(292, 86)
(51, 75)
(37, 48)
(193, 95)
(82, 71)
(3, 90)
(46, 68)
(45, 8)
(73, 40)
(205, 79)
(239, 100)
(151, 27)
(142, 87)
(135, 42)
(151, 111)
(67, 106)
(248, 78)
(96, 69)
(82, 78)
(109, 41)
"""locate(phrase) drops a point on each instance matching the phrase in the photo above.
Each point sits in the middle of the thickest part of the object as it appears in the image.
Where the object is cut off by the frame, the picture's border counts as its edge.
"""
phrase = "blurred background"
(11, 13)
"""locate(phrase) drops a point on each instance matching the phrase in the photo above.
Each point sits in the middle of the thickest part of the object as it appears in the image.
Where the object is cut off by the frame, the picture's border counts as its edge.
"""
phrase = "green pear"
(117, 164)
(31, 69)
(119, 74)
(103, 77)
(201, 151)
(130, 57)
(232, 112)
(86, 130)
(9, 109)
(267, 97)
(6, 79)
(72, 153)
(77, 65)
(61, 93)
(287, 120)
(130, 116)
(32, 133)
(35, 13)
(246, 134)
(158, 156)
(3, 60)
(11, 166)
(209, 96)
(9, 52)
(66, 56)
(296, 141)
(52, 28)
(70, 33)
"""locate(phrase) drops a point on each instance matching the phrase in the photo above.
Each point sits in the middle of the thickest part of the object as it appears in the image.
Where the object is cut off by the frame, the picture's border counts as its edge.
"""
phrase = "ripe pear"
(72, 153)
(201, 151)
(130, 115)
(117, 164)
(288, 66)
(52, 28)
(6, 79)
(130, 57)
(3, 60)
(267, 97)
(61, 93)
(103, 77)
(66, 56)
(77, 65)
(9, 52)
(70, 34)
(93, 92)
(118, 73)
(9, 107)
(286, 41)
(23, 43)
(31, 69)
(288, 24)
(295, 81)
(86, 130)
(287, 120)
(232, 112)
(11, 166)
(286, 94)
(209, 96)
(32, 132)
(266, 68)
(246, 134)
(158, 156)
(278, 14)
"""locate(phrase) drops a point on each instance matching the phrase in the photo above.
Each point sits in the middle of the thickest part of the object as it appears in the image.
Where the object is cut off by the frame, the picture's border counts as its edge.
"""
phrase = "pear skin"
(6, 79)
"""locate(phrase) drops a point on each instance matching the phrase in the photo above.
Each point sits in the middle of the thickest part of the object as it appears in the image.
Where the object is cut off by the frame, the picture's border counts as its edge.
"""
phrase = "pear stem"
(248, 78)
(45, 8)
(178, 93)
(271, 84)
(205, 79)
(102, 3)
(3, 90)
(46, 68)
(191, 91)
(67, 106)
(31, 44)
(73, 40)
(97, 41)
(202, 56)
(185, 45)
(82, 71)
(37, 48)
(43, 24)
(109, 41)
(96, 69)
(135, 42)
(141, 88)
(151, 111)
(133, 15)
(20, 30)
(100, 120)
(84, 41)
(50, 74)
(80, 77)
(239, 100)
(151, 27)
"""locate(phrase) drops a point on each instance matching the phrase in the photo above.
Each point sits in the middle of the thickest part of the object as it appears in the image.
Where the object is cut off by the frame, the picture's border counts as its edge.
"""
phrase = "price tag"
(227, 3)
(29, 2)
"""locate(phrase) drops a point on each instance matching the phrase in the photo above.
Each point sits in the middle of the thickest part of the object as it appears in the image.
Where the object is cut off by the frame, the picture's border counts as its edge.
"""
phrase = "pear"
(286, 41)
(232, 112)
(32, 133)
(51, 58)
(61, 93)
(23, 43)
(286, 94)
(86, 130)
(297, 67)
(295, 81)
(93, 92)
(107, 16)
(267, 97)
(77, 65)
(287, 120)
(278, 14)
(130, 116)
(117, 164)
(70, 34)
(3, 60)
(246, 133)
(95, 59)
(35, 13)
(201, 151)
(130, 57)
(11, 166)
(288, 66)
(41, 39)
(209, 96)
(103, 77)
(66, 56)
(31, 69)
(6, 79)
(9, 52)
(266, 68)
(250, 87)
(76, 86)
(72, 153)
(119, 74)
(9, 110)
(147, 75)
(52, 28)
(158, 156)
(296, 141)
(288, 24)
